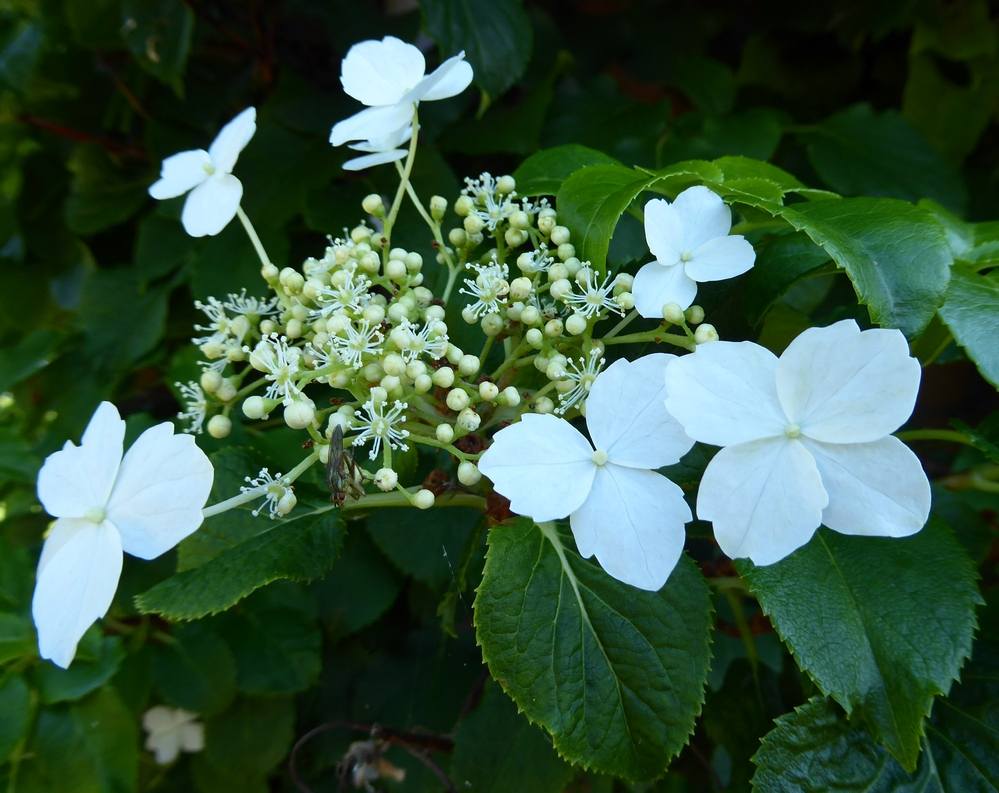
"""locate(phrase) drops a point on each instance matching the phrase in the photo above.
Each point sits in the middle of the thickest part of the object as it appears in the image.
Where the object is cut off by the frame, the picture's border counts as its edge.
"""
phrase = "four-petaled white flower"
(489, 287)
(380, 150)
(143, 503)
(390, 77)
(361, 340)
(619, 508)
(691, 242)
(214, 193)
(172, 731)
(595, 296)
(380, 425)
(806, 438)
(583, 375)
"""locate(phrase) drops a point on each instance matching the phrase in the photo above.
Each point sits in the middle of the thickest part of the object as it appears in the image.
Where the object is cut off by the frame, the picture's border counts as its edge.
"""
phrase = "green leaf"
(299, 549)
(971, 311)
(83, 676)
(33, 352)
(860, 152)
(895, 254)
(496, 36)
(91, 746)
(443, 536)
(780, 262)
(15, 705)
(544, 171)
(496, 750)
(881, 625)
(251, 737)
(159, 33)
(615, 674)
(195, 671)
(360, 588)
(17, 638)
(101, 194)
(591, 201)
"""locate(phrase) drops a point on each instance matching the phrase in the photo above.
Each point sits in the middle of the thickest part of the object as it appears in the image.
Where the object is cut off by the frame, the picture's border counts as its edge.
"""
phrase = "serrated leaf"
(613, 673)
(496, 750)
(250, 738)
(895, 254)
(544, 171)
(496, 36)
(299, 549)
(881, 625)
(780, 262)
(971, 311)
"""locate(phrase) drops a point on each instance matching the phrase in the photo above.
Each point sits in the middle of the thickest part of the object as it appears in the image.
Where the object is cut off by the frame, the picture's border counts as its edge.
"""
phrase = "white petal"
(875, 489)
(391, 141)
(657, 284)
(703, 215)
(842, 385)
(75, 586)
(632, 522)
(79, 478)
(663, 231)
(765, 499)
(721, 258)
(377, 158)
(373, 123)
(627, 418)
(232, 139)
(192, 737)
(211, 205)
(724, 393)
(159, 718)
(447, 80)
(180, 173)
(163, 484)
(542, 464)
(381, 72)
(165, 746)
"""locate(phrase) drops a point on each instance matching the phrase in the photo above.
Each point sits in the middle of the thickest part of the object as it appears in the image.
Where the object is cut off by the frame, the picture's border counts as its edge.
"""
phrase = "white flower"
(276, 490)
(378, 426)
(214, 192)
(380, 150)
(491, 207)
(806, 438)
(281, 364)
(361, 340)
(172, 731)
(430, 340)
(489, 287)
(250, 306)
(583, 375)
(351, 295)
(691, 242)
(195, 406)
(595, 297)
(144, 504)
(627, 515)
(390, 77)
(219, 327)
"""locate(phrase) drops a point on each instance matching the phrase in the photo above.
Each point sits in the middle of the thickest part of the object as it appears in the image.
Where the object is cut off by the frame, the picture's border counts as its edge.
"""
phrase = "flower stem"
(251, 232)
(622, 324)
(952, 436)
(255, 493)
(656, 336)
(383, 500)
(403, 182)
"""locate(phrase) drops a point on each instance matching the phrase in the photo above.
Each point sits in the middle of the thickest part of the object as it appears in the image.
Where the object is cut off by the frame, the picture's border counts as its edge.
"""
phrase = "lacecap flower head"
(143, 503)
(206, 176)
(620, 510)
(691, 242)
(806, 438)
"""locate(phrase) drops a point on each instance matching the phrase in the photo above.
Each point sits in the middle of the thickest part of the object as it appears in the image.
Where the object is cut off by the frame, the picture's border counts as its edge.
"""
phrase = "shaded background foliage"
(895, 98)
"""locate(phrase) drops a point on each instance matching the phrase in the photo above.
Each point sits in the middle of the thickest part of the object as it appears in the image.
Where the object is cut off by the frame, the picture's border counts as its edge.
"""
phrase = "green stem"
(951, 436)
(403, 181)
(622, 325)
(451, 278)
(255, 493)
(258, 246)
(383, 500)
(656, 336)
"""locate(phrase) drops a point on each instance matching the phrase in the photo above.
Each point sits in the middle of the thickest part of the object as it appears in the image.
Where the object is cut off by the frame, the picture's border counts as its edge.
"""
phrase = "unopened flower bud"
(457, 237)
(394, 364)
(543, 405)
(444, 433)
(515, 237)
(453, 354)
(566, 251)
(705, 333)
(423, 499)
(560, 235)
(694, 315)
(226, 391)
(468, 365)
(625, 300)
(422, 383)
(300, 413)
(438, 207)
(386, 479)
(473, 224)
(395, 269)
(560, 288)
(414, 262)
(576, 324)
(219, 426)
(557, 272)
(293, 329)
(491, 324)
(463, 205)
(457, 399)
(379, 395)
(521, 288)
(270, 273)
(520, 220)
(535, 338)
(530, 316)
(372, 204)
(286, 503)
(469, 420)
(505, 185)
(291, 280)
(443, 377)
(623, 282)
(255, 407)
(673, 314)
(210, 381)
(510, 396)
(553, 328)
(488, 391)
(468, 473)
